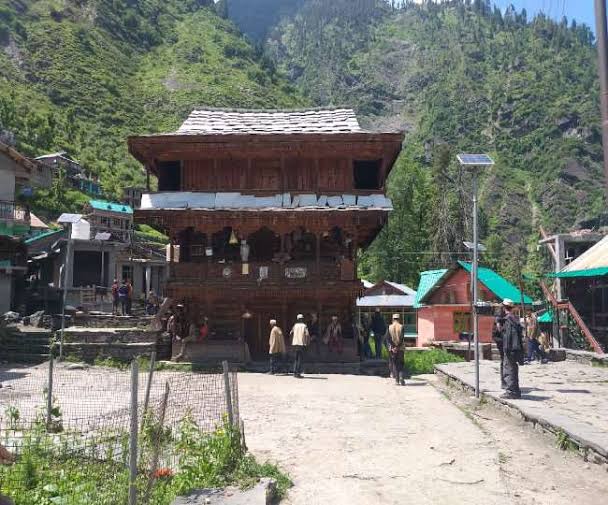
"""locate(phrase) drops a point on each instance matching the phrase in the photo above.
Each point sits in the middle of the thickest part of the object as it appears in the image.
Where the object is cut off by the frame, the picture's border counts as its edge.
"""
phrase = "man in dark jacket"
(513, 349)
(497, 337)
(378, 328)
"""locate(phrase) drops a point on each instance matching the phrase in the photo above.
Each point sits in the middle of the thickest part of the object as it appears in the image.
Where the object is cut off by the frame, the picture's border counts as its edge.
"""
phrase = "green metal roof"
(111, 206)
(428, 280)
(547, 317)
(590, 272)
(496, 283)
(40, 236)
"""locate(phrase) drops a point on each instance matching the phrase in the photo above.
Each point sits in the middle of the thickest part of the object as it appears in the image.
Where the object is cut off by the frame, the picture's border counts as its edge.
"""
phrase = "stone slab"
(261, 494)
(564, 397)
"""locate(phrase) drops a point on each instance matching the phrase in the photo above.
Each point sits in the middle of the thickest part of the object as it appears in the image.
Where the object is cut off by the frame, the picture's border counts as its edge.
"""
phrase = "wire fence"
(76, 435)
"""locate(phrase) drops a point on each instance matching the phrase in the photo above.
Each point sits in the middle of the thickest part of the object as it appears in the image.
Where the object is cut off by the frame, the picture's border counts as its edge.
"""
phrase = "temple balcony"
(258, 274)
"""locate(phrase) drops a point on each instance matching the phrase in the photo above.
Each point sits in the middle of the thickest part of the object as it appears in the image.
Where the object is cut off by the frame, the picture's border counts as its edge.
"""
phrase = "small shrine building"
(266, 211)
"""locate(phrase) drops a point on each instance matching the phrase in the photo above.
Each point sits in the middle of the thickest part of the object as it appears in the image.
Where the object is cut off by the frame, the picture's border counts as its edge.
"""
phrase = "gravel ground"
(362, 440)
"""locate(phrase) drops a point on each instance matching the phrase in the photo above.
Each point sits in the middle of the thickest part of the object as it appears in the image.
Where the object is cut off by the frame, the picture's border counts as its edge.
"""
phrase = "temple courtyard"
(347, 439)
(362, 440)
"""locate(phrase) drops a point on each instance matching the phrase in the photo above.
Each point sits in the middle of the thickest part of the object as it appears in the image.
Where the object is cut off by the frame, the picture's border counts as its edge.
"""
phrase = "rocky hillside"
(81, 75)
(459, 76)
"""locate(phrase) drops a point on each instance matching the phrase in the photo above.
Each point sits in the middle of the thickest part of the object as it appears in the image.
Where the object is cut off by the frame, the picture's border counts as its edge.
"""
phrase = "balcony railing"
(295, 272)
(9, 211)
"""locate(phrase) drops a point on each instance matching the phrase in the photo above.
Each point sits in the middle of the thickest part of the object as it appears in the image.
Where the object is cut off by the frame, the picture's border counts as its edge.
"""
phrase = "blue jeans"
(534, 350)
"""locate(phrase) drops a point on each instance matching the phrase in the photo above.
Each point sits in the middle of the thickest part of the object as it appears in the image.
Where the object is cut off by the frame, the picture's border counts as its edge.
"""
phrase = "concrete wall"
(436, 323)
(6, 285)
(7, 179)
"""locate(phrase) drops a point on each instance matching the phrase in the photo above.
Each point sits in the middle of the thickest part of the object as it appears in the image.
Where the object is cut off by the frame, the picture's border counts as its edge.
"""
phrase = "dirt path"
(361, 440)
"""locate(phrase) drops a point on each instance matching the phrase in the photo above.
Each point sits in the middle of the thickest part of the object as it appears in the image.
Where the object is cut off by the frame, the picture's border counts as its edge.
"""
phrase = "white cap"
(507, 302)
(273, 321)
(300, 316)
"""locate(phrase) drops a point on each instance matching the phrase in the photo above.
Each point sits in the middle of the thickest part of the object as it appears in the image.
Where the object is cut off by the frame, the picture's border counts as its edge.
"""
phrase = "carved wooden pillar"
(319, 237)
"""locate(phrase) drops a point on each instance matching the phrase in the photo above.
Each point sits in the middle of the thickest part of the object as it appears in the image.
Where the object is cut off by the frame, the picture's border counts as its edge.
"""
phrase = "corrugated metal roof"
(386, 301)
(231, 122)
(238, 201)
(496, 283)
(111, 206)
(595, 257)
(590, 272)
(40, 236)
(402, 287)
(428, 280)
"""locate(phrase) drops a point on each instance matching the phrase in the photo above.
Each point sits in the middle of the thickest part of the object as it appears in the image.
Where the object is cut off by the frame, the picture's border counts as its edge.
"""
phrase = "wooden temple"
(266, 211)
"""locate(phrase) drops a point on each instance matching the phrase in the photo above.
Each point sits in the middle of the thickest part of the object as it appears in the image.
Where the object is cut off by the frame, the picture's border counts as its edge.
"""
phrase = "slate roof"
(386, 301)
(285, 201)
(234, 122)
(111, 206)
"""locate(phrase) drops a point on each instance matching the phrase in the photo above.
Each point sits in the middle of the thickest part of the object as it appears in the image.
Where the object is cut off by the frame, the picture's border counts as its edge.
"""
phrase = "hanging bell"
(233, 239)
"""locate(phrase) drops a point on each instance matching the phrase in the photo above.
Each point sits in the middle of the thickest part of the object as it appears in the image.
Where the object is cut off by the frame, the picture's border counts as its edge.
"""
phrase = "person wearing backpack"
(513, 349)
(123, 297)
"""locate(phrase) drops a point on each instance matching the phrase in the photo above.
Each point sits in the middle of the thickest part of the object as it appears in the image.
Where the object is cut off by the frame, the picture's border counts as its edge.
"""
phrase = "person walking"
(130, 296)
(299, 340)
(333, 336)
(276, 344)
(378, 327)
(513, 348)
(497, 337)
(395, 341)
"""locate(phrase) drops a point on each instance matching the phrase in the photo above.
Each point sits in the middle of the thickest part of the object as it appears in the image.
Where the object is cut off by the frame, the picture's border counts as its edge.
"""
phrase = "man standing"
(115, 287)
(276, 344)
(299, 341)
(378, 328)
(395, 342)
(123, 297)
(333, 336)
(497, 337)
(513, 348)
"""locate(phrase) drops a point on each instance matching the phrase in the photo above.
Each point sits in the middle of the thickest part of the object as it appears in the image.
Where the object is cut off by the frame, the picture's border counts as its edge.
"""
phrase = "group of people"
(185, 329)
(508, 333)
(301, 336)
(122, 297)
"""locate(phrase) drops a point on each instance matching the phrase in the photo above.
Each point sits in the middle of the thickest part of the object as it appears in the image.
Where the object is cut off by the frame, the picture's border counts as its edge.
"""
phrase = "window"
(169, 176)
(367, 174)
(127, 272)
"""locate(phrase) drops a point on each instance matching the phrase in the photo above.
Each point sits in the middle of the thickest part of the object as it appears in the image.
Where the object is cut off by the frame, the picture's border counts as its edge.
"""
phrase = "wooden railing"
(567, 306)
(294, 272)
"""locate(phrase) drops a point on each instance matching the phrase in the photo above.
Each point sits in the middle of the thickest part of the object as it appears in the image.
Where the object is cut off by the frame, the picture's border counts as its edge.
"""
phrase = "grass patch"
(423, 361)
(57, 470)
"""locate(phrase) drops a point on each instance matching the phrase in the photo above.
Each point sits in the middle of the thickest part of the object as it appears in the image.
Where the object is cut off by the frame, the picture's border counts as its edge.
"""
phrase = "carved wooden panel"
(335, 175)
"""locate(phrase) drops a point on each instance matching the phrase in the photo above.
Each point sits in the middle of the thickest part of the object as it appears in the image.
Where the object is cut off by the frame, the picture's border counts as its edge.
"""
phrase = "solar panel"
(470, 246)
(477, 160)
(69, 218)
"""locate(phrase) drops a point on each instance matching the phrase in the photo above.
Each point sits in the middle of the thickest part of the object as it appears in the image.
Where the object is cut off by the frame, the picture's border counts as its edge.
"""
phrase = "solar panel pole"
(66, 277)
(474, 283)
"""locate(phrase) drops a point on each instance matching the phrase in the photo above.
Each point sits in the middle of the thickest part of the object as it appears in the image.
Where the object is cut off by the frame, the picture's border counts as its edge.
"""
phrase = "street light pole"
(475, 162)
(474, 283)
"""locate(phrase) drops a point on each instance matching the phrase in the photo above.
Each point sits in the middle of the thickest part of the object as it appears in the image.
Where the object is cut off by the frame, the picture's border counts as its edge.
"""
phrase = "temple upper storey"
(321, 152)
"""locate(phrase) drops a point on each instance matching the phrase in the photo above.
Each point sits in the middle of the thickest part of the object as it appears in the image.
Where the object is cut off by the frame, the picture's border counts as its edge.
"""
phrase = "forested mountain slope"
(81, 75)
(459, 76)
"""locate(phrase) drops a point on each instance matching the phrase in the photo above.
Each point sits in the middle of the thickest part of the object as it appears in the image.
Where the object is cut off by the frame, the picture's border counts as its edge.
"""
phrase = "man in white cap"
(276, 345)
(513, 349)
(299, 340)
(395, 342)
